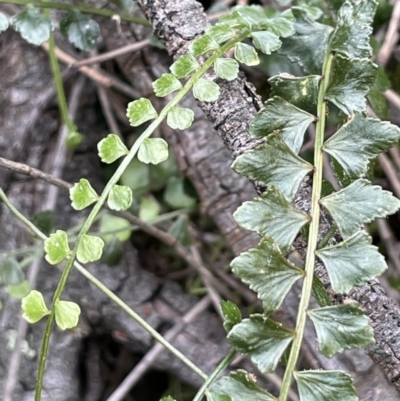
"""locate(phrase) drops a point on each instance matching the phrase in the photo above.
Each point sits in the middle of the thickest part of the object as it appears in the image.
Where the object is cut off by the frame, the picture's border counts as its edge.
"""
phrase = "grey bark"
(177, 23)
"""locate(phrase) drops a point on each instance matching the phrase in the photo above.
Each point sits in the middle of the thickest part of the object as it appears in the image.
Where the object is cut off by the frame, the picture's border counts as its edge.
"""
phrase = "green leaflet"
(319, 385)
(267, 272)
(359, 203)
(80, 30)
(56, 247)
(120, 197)
(153, 150)
(220, 32)
(19, 291)
(352, 262)
(184, 66)
(226, 68)
(258, 18)
(375, 98)
(382, 82)
(202, 45)
(11, 272)
(111, 148)
(272, 216)
(273, 163)
(180, 118)
(378, 103)
(341, 327)
(351, 36)
(302, 92)
(314, 13)
(279, 24)
(34, 307)
(360, 140)
(149, 208)
(231, 313)
(108, 223)
(82, 194)
(307, 46)
(233, 20)
(206, 90)
(180, 230)
(175, 194)
(32, 25)
(67, 314)
(90, 249)
(280, 116)
(137, 177)
(266, 41)
(350, 82)
(140, 111)
(250, 16)
(165, 85)
(262, 339)
(239, 386)
(246, 54)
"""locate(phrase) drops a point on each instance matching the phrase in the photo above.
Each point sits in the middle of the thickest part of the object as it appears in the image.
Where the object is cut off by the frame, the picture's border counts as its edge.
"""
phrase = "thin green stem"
(223, 364)
(314, 229)
(82, 9)
(62, 104)
(20, 216)
(118, 301)
(107, 292)
(114, 179)
(55, 69)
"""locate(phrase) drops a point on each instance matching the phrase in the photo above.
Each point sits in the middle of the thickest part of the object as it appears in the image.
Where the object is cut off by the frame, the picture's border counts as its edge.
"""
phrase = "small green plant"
(341, 74)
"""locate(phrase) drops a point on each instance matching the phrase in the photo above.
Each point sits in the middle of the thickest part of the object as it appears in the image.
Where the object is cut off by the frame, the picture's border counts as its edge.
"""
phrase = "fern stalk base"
(314, 230)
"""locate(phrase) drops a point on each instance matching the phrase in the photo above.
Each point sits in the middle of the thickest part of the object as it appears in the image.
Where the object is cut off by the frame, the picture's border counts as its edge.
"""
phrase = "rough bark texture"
(176, 23)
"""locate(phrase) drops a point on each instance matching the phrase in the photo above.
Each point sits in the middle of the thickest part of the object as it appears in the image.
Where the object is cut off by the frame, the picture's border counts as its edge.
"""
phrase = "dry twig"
(100, 77)
(148, 360)
(392, 36)
(132, 47)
